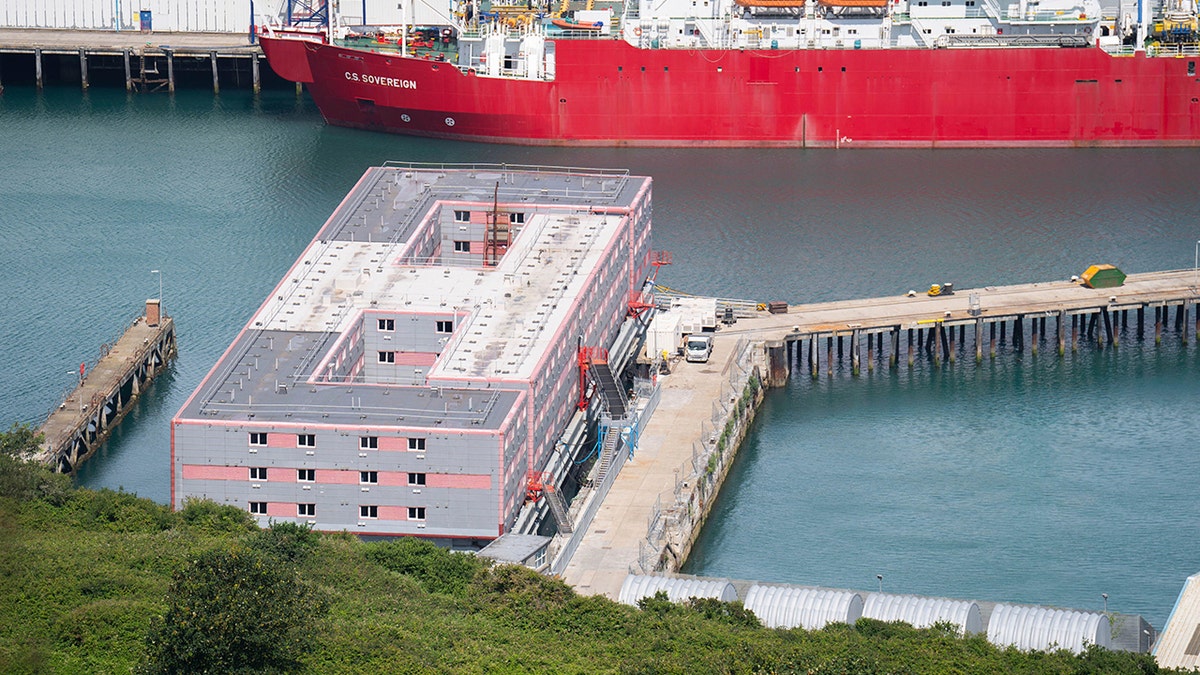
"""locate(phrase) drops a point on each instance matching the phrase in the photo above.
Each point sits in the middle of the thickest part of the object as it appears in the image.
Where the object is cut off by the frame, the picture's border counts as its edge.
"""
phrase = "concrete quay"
(659, 501)
(616, 539)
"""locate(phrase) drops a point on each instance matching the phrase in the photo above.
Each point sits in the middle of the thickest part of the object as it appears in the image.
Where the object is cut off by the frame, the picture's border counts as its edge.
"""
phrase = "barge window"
(368, 477)
(416, 513)
(1191, 67)
(387, 325)
(306, 440)
(462, 216)
(258, 473)
(416, 444)
(462, 247)
(416, 479)
(306, 475)
(387, 357)
(368, 442)
(258, 508)
(306, 510)
(368, 511)
(445, 327)
(258, 438)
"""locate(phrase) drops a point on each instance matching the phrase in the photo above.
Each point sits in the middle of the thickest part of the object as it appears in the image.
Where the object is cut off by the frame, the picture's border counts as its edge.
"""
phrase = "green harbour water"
(1029, 479)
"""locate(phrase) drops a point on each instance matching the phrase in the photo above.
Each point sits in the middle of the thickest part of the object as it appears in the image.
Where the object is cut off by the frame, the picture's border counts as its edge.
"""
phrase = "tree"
(23, 479)
(232, 610)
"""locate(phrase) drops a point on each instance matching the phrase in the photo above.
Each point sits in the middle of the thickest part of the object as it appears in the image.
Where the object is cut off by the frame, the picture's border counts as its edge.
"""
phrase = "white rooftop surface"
(513, 309)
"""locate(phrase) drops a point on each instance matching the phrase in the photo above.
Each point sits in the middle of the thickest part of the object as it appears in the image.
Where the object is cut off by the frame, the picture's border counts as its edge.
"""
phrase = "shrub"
(438, 570)
(731, 613)
(208, 515)
(234, 610)
(119, 511)
(288, 541)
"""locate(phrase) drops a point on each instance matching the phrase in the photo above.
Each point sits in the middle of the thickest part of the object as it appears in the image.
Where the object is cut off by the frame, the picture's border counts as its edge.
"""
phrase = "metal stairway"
(558, 509)
(614, 398)
(608, 452)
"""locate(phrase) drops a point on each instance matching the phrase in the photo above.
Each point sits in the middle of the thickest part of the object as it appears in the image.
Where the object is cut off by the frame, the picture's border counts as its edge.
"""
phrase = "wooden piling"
(814, 356)
(910, 347)
(1141, 321)
(37, 66)
(254, 73)
(1003, 328)
(1060, 334)
(1074, 333)
(1036, 335)
(829, 355)
(1158, 322)
(854, 359)
(1183, 332)
(216, 81)
(992, 346)
(1109, 333)
(978, 340)
(950, 344)
(871, 352)
(895, 356)
(1018, 335)
(839, 352)
(936, 334)
(83, 69)
(128, 71)
(1179, 316)
(170, 70)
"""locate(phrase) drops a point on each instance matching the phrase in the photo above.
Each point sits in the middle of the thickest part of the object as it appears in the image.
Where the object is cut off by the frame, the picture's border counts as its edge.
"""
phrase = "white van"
(698, 348)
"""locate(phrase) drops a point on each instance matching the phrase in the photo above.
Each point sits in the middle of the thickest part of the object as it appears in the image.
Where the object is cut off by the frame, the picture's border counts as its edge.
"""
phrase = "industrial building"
(421, 359)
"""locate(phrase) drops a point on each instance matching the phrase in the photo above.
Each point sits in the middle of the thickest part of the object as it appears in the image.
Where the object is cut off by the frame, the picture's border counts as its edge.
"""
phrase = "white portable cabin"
(799, 607)
(679, 589)
(665, 334)
(923, 612)
(1044, 629)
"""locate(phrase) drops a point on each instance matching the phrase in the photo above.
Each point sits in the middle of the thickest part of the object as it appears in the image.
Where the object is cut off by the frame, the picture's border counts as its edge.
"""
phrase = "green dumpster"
(1103, 276)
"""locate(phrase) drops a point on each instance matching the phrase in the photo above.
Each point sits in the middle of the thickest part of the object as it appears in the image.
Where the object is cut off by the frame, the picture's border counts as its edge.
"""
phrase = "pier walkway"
(83, 421)
(627, 533)
(1152, 290)
(149, 59)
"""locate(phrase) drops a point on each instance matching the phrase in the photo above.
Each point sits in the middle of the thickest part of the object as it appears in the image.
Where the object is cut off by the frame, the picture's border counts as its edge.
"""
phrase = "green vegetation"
(105, 582)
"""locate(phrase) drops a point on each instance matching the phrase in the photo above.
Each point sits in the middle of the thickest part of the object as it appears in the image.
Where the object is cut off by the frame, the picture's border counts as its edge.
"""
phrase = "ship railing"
(1175, 50)
(1046, 16)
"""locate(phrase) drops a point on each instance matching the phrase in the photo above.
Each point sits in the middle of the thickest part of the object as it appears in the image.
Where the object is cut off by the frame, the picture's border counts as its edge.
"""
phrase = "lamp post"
(78, 390)
(159, 284)
(1196, 267)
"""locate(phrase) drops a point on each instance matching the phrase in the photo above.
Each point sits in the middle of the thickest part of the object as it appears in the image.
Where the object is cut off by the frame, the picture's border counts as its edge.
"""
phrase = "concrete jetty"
(659, 501)
(84, 420)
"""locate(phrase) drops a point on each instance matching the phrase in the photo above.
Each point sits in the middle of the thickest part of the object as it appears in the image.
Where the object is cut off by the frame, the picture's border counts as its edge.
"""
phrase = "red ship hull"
(609, 93)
